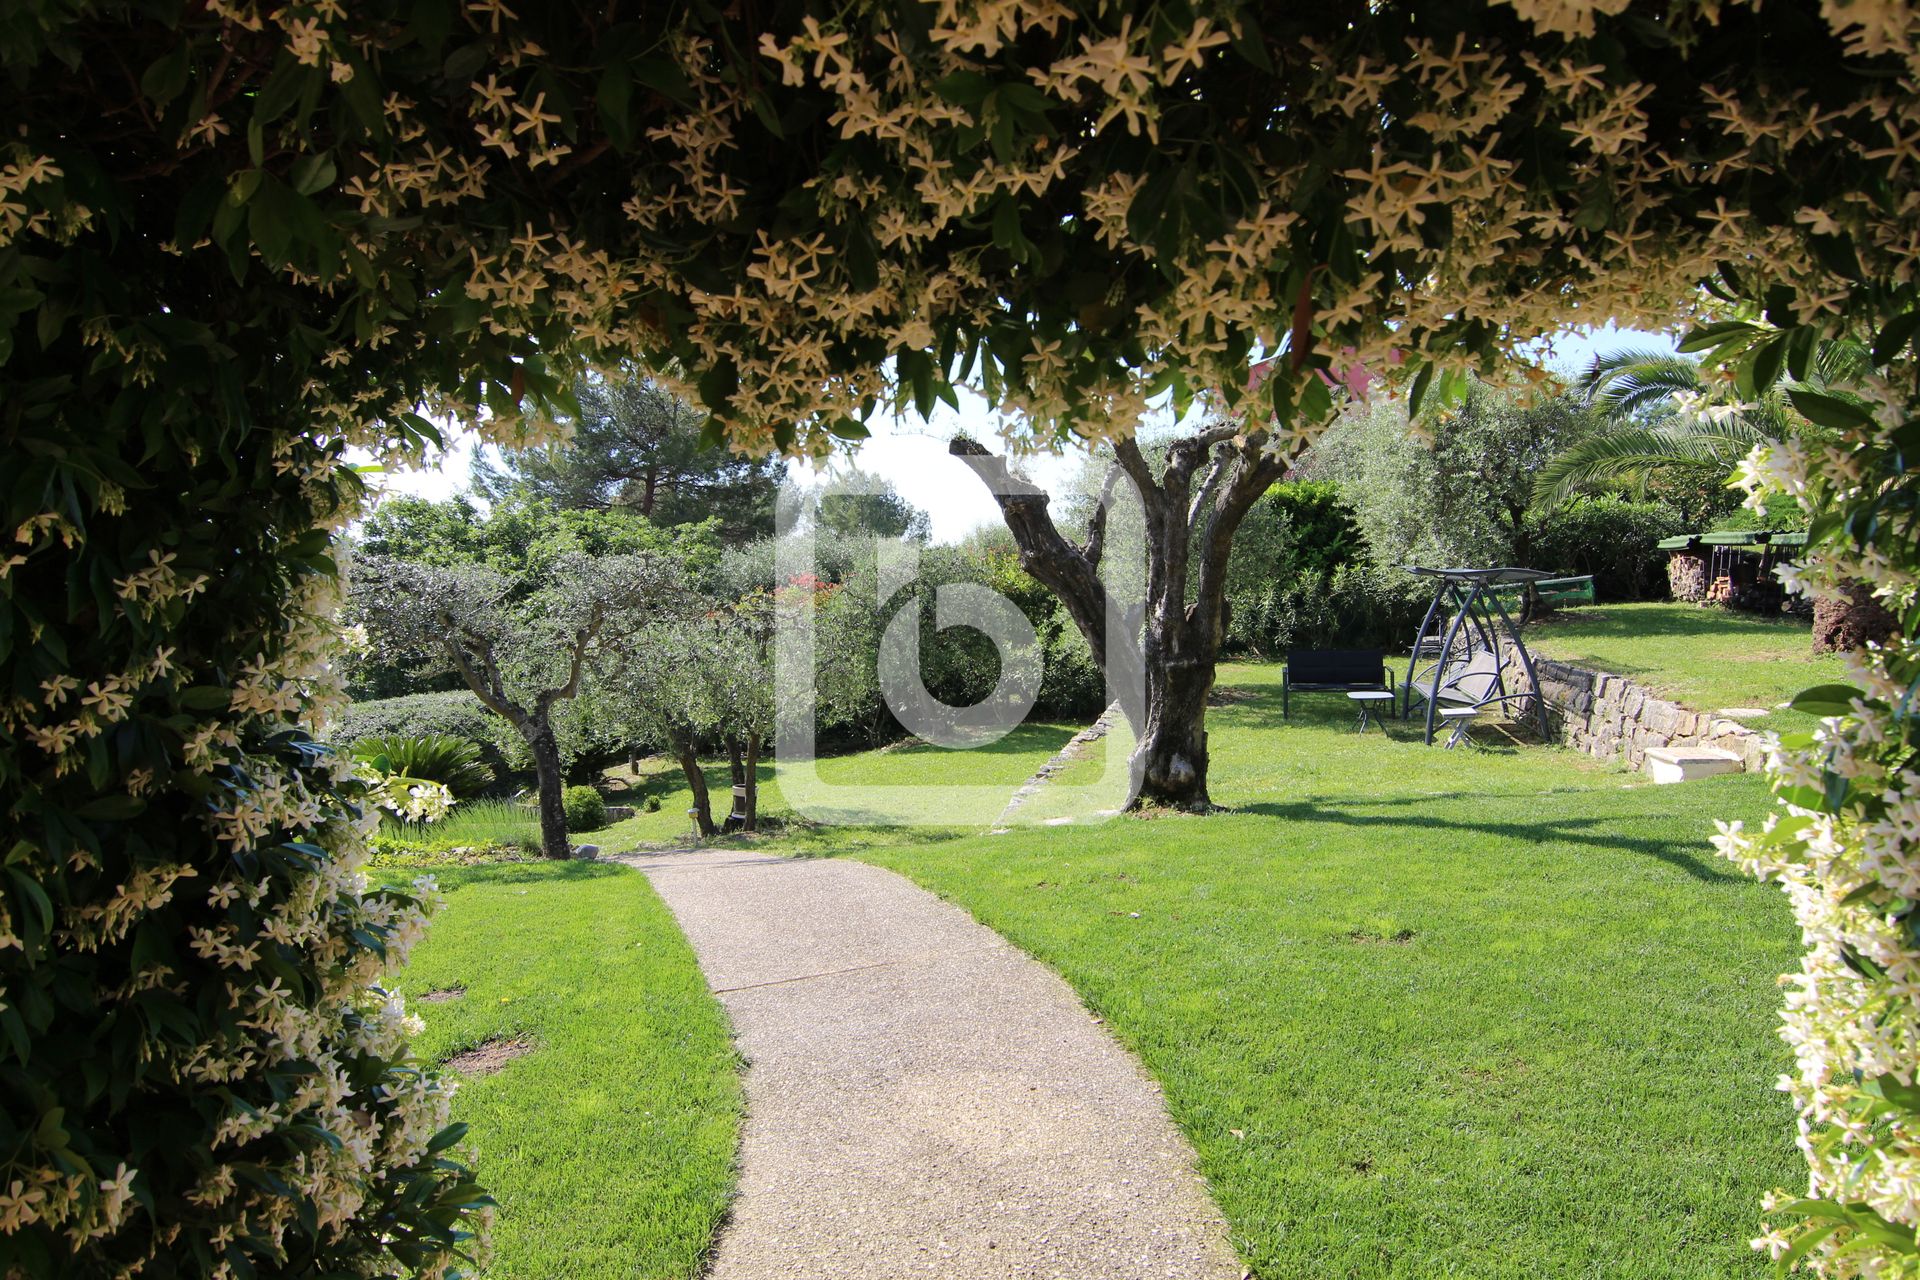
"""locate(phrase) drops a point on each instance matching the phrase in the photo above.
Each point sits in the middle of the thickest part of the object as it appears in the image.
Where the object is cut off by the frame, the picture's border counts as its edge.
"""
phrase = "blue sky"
(912, 454)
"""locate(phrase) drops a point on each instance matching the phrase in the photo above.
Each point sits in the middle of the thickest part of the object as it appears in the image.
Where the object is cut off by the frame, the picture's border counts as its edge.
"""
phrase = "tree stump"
(1851, 621)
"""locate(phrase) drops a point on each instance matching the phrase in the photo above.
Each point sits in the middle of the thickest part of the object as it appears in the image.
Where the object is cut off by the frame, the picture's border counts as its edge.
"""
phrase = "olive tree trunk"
(550, 781)
(696, 782)
(1159, 660)
(473, 657)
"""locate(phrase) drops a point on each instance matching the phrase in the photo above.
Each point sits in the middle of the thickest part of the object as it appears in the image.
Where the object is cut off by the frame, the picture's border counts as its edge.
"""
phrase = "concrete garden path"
(923, 1098)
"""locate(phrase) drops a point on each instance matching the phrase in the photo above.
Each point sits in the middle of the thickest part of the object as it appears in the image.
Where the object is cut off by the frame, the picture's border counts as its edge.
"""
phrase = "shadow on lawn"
(1681, 856)
(1706, 623)
(542, 871)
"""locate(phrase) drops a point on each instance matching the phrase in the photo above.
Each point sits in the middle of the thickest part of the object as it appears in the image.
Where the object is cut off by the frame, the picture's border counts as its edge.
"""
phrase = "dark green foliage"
(859, 508)
(635, 447)
(1356, 606)
(1302, 577)
(585, 808)
(526, 537)
(434, 757)
(1613, 539)
(1321, 533)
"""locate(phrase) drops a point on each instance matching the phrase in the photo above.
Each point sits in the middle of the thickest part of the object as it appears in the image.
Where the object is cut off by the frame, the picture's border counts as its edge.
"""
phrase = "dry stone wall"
(1612, 718)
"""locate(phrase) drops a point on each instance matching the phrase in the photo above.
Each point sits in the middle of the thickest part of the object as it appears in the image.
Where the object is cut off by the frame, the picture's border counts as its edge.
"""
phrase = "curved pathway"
(923, 1098)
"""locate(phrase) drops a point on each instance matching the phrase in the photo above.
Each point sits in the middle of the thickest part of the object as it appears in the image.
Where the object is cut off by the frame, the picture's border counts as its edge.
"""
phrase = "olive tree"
(521, 648)
(696, 681)
(1170, 653)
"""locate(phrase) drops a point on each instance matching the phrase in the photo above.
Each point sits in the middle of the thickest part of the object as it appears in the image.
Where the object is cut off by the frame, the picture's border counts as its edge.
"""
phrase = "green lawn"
(610, 1146)
(1705, 657)
(1484, 1013)
(1490, 1013)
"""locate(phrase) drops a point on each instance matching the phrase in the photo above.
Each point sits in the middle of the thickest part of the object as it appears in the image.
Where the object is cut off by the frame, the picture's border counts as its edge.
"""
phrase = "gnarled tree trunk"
(550, 779)
(696, 783)
(1169, 649)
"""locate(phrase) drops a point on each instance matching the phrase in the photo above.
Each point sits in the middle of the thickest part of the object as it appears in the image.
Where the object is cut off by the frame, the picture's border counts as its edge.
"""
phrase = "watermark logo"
(874, 628)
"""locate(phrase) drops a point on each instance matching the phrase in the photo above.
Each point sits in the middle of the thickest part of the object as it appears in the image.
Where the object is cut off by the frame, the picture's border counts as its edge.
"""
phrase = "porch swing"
(1467, 668)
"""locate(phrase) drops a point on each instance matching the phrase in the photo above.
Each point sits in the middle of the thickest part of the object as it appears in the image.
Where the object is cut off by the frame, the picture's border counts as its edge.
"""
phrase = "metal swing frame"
(1474, 618)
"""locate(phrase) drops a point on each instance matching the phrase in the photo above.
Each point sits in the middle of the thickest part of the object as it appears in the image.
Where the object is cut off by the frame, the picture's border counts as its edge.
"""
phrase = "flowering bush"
(413, 799)
(1844, 842)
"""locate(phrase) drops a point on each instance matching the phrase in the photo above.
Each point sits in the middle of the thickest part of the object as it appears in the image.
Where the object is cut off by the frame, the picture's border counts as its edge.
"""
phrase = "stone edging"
(1075, 747)
(1610, 717)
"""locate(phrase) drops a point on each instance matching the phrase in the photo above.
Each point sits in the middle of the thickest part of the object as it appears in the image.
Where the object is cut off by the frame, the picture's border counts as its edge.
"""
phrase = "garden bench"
(1333, 671)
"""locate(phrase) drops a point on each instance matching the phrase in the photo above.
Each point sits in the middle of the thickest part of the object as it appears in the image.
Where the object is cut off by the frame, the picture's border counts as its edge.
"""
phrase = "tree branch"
(489, 690)
(1095, 546)
(1221, 461)
(1060, 566)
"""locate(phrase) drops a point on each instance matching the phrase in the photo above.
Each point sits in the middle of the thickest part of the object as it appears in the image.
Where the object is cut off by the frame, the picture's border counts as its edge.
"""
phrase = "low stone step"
(1684, 764)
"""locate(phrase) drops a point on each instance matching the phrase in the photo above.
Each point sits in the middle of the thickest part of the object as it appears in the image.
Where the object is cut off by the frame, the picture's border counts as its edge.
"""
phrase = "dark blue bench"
(1333, 671)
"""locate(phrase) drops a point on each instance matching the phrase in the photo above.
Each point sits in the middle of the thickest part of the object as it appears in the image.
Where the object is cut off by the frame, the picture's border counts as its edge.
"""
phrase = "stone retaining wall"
(1610, 717)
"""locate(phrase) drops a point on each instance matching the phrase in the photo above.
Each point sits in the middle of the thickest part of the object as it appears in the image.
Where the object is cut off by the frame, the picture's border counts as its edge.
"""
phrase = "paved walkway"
(923, 1098)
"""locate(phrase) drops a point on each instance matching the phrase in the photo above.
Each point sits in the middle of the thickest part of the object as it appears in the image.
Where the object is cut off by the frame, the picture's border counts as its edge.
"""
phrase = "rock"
(586, 852)
(1683, 764)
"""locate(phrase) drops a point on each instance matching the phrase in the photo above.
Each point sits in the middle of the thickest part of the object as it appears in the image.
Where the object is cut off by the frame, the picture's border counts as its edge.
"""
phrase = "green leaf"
(164, 80)
(313, 172)
(1895, 334)
(964, 88)
(112, 808)
(446, 1138)
(718, 384)
(1709, 336)
(848, 429)
(664, 77)
(1763, 366)
(1826, 700)
(1419, 393)
(206, 697)
(1829, 410)
(244, 184)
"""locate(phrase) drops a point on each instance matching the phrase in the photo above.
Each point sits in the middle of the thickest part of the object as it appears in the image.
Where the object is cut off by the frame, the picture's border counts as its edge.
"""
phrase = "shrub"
(1072, 683)
(1355, 606)
(1612, 539)
(586, 811)
(437, 757)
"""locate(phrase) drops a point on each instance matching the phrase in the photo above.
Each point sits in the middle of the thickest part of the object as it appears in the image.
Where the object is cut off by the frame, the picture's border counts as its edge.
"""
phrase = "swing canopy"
(1469, 652)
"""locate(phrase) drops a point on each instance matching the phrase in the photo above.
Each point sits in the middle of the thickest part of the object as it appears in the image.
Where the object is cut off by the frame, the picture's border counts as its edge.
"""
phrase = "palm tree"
(1639, 393)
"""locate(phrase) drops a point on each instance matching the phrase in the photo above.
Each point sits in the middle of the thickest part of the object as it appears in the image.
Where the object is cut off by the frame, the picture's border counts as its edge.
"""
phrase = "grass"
(610, 1146)
(1488, 1013)
(1703, 656)
(470, 823)
(1491, 1013)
